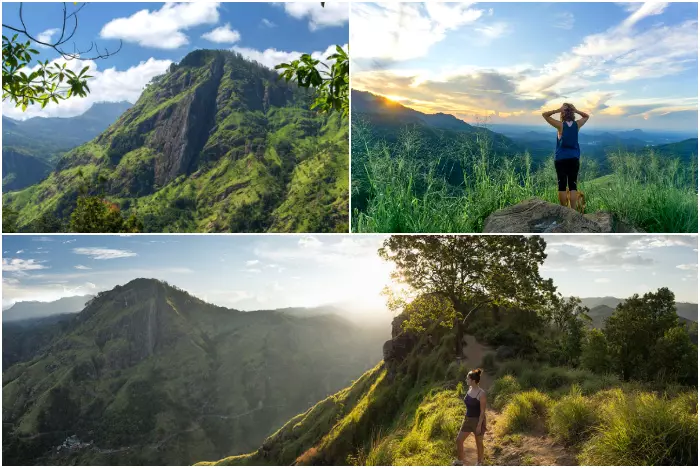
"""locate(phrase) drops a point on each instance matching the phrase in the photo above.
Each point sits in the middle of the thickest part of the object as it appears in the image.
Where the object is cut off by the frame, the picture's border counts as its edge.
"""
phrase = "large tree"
(635, 326)
(472, 272)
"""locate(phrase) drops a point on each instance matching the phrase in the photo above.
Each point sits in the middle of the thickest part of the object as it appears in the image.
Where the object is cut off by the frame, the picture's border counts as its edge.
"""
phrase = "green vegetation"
(546, 407)
(332, 84)
(407, 181)
(152, 375)
(255, 159)
(48, 82)
(487, 271)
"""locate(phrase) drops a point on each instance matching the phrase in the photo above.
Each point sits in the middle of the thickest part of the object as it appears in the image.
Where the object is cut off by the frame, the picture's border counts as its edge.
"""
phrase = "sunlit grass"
(402, 187)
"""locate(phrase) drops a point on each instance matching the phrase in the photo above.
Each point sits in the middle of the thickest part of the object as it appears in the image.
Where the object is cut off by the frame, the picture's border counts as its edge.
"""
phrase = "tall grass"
(403, 187)
(645, 429)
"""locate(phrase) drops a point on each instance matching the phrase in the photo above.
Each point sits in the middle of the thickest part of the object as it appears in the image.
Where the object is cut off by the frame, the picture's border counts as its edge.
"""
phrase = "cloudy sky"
(156, 34)
(266, 272)
(630, 65)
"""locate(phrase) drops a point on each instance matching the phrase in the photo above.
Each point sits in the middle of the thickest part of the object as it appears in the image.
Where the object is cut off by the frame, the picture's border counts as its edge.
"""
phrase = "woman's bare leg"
(573, 194)
(563, 199)
(479, 448)
(461, 437)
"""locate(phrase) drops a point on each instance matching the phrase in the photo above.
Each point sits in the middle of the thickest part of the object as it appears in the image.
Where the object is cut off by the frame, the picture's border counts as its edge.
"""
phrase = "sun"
(395, 98)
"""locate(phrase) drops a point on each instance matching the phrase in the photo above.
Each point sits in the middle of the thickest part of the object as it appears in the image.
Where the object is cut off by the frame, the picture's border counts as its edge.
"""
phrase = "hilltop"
(408, 409)
(423, 173)
(148, 374)
(216, 144)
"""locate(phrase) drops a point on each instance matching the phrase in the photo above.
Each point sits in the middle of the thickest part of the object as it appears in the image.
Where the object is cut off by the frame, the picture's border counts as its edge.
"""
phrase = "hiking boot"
(457, 463)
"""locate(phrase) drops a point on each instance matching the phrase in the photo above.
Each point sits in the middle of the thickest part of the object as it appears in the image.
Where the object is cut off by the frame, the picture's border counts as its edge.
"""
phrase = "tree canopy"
(472, 271)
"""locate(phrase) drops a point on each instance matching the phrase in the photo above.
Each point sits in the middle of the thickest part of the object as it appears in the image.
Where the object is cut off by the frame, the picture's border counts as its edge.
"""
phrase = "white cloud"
(162, 29)
(45, 36)
(19, 265)
(402, 31)
(266, 22)
(272, 57)
(623, 53)
(333, 14)
(223, 34)
(252, 262)
(109, 85)
(19, 252)
(689, 266)
(237, 296)
(99, 253)
(491, 32)
(82, 267)
(564, 20)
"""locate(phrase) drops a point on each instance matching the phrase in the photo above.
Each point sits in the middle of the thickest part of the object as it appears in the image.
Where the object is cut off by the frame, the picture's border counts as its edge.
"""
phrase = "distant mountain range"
(30, 148)
(24, 310)
(601, 308)
(147, 374)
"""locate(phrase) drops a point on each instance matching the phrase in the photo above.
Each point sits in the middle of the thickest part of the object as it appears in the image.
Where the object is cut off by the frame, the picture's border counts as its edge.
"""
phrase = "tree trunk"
(496, 312)
(459, 336)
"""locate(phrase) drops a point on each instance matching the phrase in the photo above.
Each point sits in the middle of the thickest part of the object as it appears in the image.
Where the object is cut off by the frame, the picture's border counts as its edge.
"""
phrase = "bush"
(523, 411)
(594, 355)
(645, 429)
(489, 363)
(573, 418)
(502, 390)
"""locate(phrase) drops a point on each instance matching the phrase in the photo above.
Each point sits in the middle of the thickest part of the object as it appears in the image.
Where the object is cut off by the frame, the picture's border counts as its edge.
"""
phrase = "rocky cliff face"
(216, 144)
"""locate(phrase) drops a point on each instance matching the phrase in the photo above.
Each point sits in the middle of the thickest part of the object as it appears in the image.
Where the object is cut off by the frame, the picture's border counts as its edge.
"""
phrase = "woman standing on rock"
(475, 419)
(568, 152)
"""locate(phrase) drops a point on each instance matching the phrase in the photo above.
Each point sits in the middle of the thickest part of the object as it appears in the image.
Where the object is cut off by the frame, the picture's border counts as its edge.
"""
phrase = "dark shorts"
(567, 173)
(469, 425)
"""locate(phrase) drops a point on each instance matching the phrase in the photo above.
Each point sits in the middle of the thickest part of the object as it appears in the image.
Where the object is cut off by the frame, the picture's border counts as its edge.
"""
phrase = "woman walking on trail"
(475, 419)
(568, 152)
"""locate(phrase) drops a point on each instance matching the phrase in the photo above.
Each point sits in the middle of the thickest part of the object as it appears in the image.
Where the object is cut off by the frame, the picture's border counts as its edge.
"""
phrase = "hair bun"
(478, 371)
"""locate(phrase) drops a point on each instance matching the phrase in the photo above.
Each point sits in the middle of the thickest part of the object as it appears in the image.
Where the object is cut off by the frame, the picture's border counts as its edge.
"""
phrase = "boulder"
(538, 216)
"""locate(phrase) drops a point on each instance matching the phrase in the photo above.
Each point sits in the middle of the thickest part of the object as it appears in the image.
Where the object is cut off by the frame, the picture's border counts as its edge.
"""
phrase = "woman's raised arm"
(553, 122)
(584, 118)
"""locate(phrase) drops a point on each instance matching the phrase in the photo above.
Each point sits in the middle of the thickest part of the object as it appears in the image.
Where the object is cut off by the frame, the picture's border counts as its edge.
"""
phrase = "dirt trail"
(474, 353)
(532, 448)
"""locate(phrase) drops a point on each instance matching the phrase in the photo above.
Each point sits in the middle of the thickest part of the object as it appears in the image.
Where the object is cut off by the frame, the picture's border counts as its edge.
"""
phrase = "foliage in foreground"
(408, 186)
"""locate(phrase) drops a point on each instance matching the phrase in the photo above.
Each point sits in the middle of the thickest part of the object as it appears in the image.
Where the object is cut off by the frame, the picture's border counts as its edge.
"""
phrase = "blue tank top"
(567, 145)
(473, 405)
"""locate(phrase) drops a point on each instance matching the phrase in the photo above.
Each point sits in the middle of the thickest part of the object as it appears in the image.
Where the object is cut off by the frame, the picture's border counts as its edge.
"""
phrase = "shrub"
(645, 429)
(572, 419)
(523, 411)
(502, 390)
(489, 363)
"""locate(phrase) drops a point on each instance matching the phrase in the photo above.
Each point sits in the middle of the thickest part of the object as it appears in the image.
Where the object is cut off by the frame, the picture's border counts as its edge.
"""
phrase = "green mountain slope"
(147, 374)
(20, 170)
(48, 137)
(216, 144)
(408, 409)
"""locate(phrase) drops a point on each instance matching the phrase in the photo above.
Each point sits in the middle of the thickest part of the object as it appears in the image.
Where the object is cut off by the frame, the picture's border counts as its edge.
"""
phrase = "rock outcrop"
(399, 346)
(538, 216)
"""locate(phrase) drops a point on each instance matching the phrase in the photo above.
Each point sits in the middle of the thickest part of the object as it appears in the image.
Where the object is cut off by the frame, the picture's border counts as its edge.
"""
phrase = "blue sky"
(156, 34)
(267, 272)
(631, 65)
